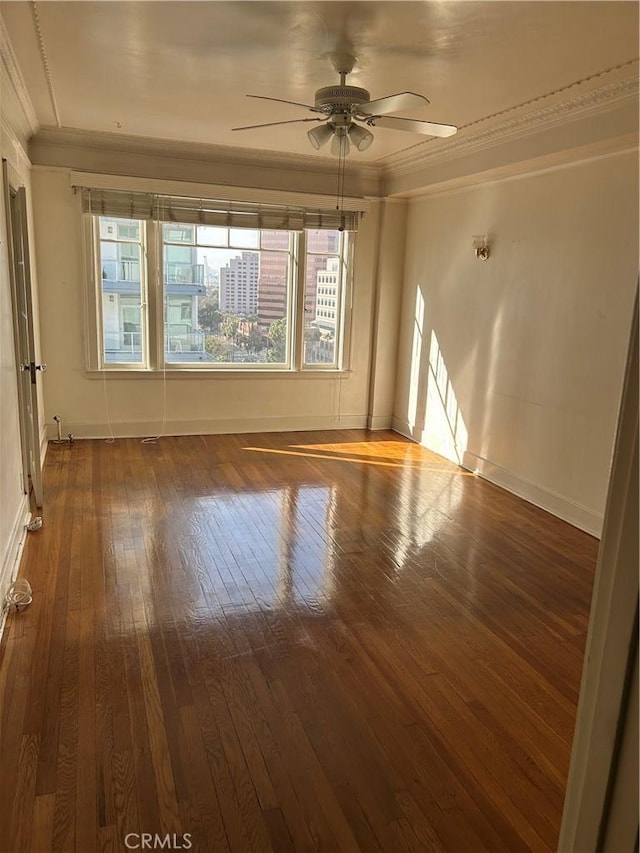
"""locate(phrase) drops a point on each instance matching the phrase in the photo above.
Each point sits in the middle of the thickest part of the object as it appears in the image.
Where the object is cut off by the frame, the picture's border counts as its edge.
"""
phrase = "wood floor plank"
(43, 817)
(280, 642)
(158, 740)
(202, 784)
(24, 792)
(67, 754)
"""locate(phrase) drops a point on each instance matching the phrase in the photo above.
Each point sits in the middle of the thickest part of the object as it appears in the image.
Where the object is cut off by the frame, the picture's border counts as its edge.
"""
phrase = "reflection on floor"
(306, 641)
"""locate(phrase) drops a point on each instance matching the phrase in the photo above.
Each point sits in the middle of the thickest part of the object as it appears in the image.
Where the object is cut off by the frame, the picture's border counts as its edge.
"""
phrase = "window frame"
(153, 319)
(343, 305)
(94, 344)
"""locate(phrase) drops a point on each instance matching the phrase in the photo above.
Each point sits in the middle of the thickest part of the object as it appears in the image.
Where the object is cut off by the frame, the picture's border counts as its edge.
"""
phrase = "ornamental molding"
(475, 137)
(26, 122)
(44, 59)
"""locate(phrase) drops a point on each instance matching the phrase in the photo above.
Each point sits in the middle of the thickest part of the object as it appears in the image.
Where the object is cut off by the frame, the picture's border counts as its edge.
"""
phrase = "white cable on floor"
(19, 595)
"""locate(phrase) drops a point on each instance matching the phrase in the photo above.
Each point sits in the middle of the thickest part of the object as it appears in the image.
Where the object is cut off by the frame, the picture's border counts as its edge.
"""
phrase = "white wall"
(194, 404)
(386, 319)
(514, 366)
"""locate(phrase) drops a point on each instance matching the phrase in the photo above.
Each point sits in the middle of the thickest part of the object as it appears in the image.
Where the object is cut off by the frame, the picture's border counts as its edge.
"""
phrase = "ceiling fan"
(345, 109)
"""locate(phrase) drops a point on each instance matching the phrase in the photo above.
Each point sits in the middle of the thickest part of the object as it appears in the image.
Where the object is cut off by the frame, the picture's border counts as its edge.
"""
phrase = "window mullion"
(341, 304)
(95, 328)
(345, 295)
(155, 318)
(297, 309)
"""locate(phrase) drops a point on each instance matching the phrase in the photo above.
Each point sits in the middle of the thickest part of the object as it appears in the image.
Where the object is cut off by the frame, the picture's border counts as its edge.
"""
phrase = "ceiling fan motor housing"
(340, 98)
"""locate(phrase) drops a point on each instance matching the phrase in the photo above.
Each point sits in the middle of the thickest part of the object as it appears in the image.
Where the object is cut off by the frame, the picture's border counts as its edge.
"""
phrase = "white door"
(24, 338)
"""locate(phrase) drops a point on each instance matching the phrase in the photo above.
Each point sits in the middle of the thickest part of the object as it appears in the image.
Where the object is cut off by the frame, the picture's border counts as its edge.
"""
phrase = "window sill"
(212, 373)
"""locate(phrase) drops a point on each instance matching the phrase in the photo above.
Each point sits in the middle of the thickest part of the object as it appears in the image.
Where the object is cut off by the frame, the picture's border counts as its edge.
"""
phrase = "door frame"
(23, 334)
(597, 803)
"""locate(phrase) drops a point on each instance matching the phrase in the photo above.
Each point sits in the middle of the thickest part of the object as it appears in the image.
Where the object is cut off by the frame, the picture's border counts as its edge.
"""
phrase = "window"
(128, 231)
(122, 291)
(241, 296)
(202, 294)
(325, 273)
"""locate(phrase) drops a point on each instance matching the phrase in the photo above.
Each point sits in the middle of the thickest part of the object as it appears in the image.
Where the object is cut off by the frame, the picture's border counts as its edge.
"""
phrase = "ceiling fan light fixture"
(360, 136)
(319, 136)
(340, 143)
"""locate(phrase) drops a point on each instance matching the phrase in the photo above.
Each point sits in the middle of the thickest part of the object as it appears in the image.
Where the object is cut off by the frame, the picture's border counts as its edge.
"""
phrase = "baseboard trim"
(417, 434)
(379, 422)
(576, 514)
(13, 554)
(223, 426)
(406, 430)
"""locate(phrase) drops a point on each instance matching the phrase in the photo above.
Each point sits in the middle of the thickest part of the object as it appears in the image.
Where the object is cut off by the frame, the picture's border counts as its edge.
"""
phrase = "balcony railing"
(124, 342)
(178, 341)
(176, 273)
(122, 346)
(121, 271)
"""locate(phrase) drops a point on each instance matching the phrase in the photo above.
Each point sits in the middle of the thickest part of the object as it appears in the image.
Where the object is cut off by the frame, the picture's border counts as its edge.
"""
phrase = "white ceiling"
(180, 70)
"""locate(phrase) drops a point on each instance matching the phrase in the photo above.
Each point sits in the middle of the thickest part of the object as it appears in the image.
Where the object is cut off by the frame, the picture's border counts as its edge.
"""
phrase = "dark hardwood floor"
(290, 642)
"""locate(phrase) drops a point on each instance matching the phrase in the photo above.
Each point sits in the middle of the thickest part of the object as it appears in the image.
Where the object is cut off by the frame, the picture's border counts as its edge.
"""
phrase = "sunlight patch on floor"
(363, 457)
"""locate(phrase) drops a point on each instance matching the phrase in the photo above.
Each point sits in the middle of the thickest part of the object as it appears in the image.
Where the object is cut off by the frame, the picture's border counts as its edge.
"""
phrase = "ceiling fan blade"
(393, 103)
(274, 123)
(281, 101)
(428, 128)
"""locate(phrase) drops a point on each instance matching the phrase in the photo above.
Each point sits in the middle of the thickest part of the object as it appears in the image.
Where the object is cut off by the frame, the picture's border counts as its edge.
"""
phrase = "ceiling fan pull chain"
(340, 176)
(342, 163)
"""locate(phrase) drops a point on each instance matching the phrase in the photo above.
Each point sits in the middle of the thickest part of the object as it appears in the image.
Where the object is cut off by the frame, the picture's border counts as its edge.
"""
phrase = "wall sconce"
(481, 247)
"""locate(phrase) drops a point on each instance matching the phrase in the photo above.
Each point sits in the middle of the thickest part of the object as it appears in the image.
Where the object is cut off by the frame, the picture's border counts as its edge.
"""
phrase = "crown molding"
(553, 162)
(138, 155)
(195, 151)
(523, 122)
(23, 120)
